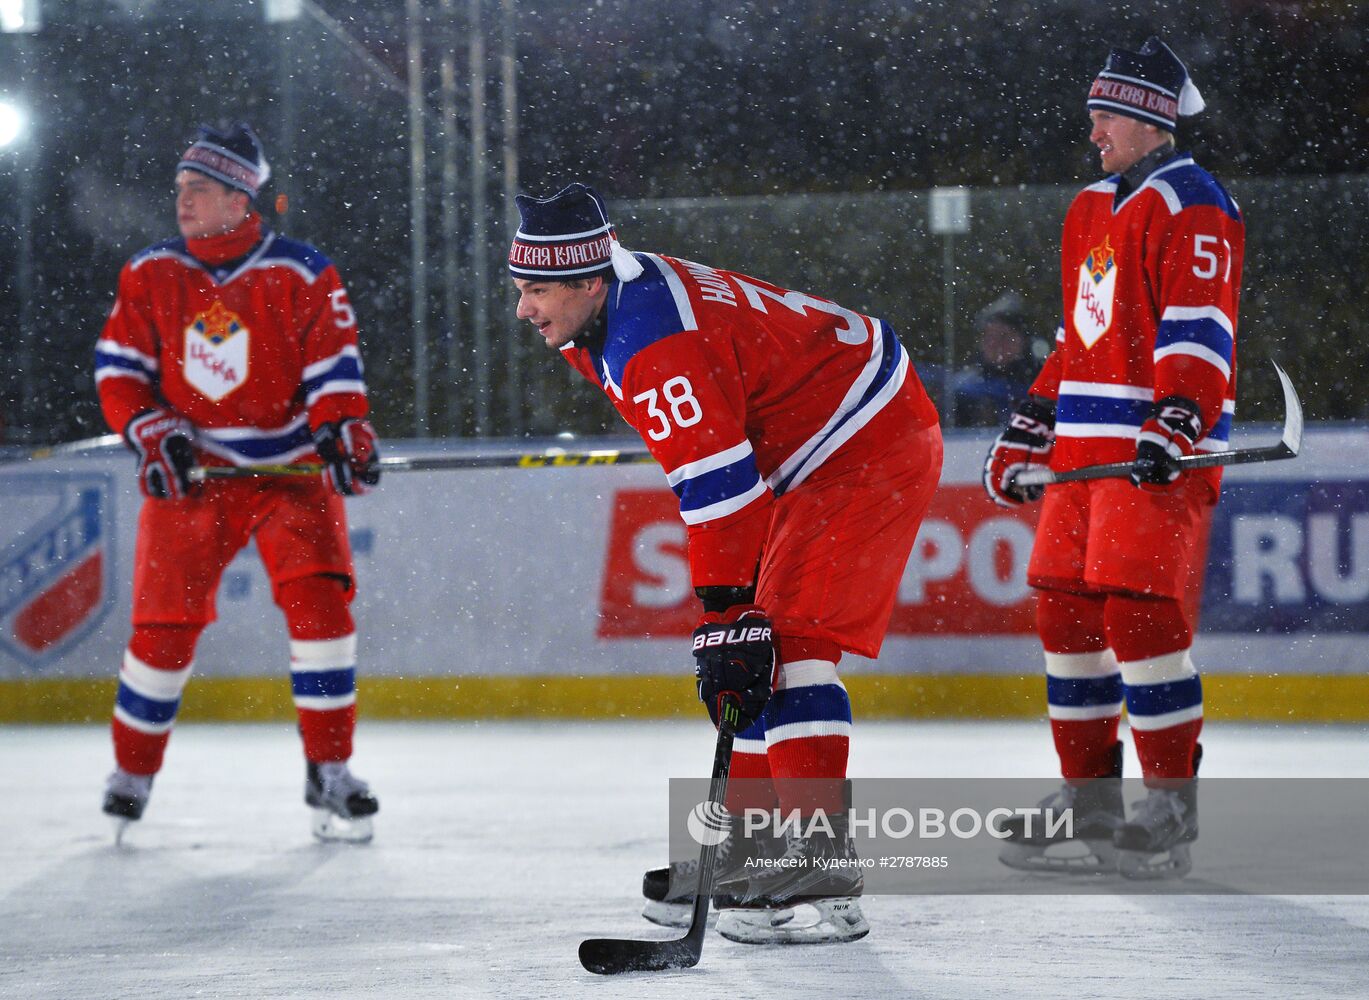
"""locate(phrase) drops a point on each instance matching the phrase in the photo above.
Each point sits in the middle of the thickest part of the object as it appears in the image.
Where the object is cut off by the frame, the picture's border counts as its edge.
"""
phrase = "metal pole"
(948, 407)
(479, 213)
(24, 156)
(418, 224)
(513, 353)
(451, 220)
(284, 158)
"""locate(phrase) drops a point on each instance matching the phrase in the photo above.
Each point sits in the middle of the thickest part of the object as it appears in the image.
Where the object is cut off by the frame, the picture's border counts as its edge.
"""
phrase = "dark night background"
(688, 99)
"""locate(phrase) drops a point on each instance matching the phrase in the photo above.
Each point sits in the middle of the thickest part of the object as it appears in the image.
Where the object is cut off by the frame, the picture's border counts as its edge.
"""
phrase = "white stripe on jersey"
(119, 350)
(1198, 351)
(813, 452)
(1107, 390)
(1180, 314)
(691, 470)
(677, 292)
(319, 367)
(1069, 430)
(723, 507)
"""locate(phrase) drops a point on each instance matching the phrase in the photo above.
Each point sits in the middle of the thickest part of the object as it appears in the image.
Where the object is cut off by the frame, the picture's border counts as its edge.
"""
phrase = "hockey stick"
(72, 448)
(552, 458)
(609, 956)
(1288, 447)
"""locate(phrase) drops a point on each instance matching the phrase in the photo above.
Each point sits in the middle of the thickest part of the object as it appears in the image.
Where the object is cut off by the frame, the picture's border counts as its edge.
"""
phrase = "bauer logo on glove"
(734, 654)
(755, 633)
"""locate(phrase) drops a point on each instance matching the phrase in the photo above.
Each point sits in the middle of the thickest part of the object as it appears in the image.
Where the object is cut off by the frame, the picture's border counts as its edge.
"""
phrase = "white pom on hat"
(625, 266)
(1190, 101)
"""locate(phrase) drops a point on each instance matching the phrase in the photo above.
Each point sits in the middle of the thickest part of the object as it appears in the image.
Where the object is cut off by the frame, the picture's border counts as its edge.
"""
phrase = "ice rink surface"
(500, 845)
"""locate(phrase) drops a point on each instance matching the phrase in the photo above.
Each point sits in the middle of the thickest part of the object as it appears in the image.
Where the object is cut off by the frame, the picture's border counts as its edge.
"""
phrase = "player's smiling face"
(560, 312)
(1121, 140)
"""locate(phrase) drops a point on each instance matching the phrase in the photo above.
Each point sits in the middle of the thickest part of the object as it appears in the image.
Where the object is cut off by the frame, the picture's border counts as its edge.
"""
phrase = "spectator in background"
(1004, 366)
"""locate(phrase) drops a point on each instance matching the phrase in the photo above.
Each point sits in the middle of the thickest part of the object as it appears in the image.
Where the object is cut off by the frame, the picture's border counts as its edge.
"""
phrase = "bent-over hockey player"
(1143, 371)
(804, 453)
(235, 345)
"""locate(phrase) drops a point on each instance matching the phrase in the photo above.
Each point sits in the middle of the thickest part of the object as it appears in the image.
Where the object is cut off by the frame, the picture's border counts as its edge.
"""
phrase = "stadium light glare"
(19, 17)
(11, 123)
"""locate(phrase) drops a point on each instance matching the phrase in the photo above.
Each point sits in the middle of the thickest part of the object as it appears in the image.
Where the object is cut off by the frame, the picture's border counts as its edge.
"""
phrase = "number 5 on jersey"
(679, 397)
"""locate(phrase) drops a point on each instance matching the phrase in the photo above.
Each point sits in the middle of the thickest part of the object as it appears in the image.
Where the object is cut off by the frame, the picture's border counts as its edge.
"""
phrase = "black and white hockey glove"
(350, 451)
(162, 442)
(734, 654)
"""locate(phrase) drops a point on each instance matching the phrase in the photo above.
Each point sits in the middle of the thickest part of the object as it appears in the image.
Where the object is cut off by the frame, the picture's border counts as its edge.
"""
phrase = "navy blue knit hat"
(232, 157)
(1151, 85)
(568, 236)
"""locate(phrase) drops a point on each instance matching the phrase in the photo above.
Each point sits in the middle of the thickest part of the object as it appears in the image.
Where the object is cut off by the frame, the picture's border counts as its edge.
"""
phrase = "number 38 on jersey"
(678, 396)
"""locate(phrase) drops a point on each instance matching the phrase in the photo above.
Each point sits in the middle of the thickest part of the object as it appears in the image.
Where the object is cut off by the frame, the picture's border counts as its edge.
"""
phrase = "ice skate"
(343, 804)
(670, 891)
(126, 797)
(1098, 813)
(810, 895)
(1154, 844)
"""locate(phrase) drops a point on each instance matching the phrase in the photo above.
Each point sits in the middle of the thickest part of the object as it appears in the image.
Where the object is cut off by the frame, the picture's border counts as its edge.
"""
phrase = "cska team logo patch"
(215, 360)
(1097, 283)
(56, 554)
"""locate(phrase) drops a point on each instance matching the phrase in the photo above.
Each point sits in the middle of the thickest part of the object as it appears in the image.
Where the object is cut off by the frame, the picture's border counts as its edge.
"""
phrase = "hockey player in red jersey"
(804, 453)
(236, 345)
(1143, 371)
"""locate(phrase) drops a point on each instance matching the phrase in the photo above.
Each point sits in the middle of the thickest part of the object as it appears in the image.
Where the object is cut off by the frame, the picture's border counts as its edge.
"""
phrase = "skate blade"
(1071, 857)
(332, 828)
(666, 914)
(834, 920)
(678, 915)
(120, 825)
(1141, 866)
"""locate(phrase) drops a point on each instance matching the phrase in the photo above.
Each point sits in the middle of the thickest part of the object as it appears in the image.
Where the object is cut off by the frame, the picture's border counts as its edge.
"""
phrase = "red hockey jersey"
(741, 389)
(1151, 286)
(255, 357)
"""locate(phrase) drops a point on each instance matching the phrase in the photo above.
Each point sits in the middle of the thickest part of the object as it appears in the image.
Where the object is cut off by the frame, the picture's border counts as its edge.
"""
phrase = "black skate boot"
(808, 895)
(343, 804)
(1154, 843)
(670, 891)
(126, 797)
(1098, 813)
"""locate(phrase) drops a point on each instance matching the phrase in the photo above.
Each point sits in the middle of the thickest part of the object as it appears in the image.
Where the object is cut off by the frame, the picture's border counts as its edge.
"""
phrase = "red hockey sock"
(1163, 691)
(322, 664)
(748, 783)
(1083, 685)
(155, 670)
(808, 733)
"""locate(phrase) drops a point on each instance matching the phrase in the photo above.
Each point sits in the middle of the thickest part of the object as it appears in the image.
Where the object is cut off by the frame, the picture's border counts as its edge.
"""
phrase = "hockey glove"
(1170, 432)
(349, 449)
(1027, 440)
(161, 440)
(734, 653)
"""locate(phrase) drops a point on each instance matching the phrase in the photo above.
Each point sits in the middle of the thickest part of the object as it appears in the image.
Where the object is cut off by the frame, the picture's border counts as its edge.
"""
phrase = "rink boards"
(565, 592)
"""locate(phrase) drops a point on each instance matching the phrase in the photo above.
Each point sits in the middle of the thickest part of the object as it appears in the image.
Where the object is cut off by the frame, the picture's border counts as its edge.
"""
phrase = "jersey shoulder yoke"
(1183, 184)
(283, 251)
(644, 311)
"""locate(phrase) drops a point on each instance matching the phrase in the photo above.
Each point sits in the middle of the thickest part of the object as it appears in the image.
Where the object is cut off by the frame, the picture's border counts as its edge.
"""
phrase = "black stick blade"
(610, 956)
